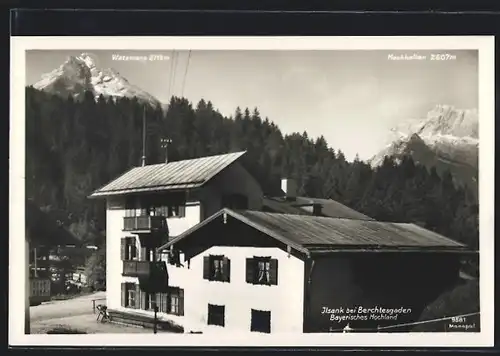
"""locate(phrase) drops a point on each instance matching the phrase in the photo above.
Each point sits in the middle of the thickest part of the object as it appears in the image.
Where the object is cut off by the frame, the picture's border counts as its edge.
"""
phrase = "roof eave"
(241, 218)
(334, 250)
(99, 193)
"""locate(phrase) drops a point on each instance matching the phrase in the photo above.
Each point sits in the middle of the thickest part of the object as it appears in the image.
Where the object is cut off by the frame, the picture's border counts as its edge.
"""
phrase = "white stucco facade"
(237, 296)
(115, 212)
(284, 300)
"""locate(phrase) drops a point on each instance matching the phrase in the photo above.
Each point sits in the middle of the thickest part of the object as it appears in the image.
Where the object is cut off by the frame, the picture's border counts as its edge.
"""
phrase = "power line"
(176, 57)
(185, 73)
(172, 56)
(408, 324)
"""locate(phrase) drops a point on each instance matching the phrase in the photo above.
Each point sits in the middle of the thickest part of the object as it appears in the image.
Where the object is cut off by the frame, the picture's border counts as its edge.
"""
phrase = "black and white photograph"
(253, 191)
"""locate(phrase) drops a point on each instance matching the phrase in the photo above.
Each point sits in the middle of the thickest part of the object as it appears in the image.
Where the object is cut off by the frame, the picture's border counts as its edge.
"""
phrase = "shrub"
(65, 330)
(463, 299)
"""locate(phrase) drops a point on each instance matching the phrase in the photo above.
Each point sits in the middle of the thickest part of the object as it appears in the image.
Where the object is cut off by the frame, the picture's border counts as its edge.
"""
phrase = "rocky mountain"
(80, 73)
(446, 139)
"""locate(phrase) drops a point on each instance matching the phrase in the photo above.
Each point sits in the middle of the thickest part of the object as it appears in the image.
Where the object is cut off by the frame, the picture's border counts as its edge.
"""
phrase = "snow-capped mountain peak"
(446, 137)
(81, 73)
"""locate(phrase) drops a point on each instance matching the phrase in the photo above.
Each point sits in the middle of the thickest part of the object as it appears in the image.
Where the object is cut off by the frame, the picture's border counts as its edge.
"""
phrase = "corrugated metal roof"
(309, 233)
(303, 206)
(314, 230)
(185, 174)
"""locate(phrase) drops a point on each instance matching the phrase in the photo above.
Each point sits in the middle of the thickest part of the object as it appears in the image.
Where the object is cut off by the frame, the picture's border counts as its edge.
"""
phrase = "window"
(261, 321)
(173, 307)
(216, 268)
(174, 257)
(130, 208)
(171, 302)
(128, 249)
(176, 211)
(216, 315)
(148, 254)
(129, 295)
(262, 270)
(170, 211)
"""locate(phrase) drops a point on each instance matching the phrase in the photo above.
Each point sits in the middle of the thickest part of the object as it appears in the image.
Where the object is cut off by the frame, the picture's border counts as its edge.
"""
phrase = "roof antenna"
(164, 144)
(143, 158)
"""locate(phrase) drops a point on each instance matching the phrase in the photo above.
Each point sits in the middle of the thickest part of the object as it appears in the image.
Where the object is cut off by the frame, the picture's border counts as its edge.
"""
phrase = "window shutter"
(182, 211)
(206, 267)
(137, 297)
(273, 273)
(144, 300)
(181, 302)
(169, 301)
(164, 302)
(226, 269)
(124, 295)
(158, 301)
(144, 254)
(123, 250)
(250, 270)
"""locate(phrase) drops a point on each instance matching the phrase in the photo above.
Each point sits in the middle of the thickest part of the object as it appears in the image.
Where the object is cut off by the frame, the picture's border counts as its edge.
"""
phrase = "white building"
(191, 238)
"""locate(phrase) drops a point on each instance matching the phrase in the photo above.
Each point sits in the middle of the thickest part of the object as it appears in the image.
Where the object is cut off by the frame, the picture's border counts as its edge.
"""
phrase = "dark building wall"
(345, 282)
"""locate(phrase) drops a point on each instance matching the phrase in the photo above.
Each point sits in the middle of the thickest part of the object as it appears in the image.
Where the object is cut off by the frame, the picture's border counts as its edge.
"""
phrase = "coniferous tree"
(76, 146)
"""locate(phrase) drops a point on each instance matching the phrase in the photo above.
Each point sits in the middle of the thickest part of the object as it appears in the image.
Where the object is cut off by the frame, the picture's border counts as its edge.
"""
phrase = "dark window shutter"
(226, 269)
(250, 270)
(144, 254)
(137, 297)
(169, 301)
(182, 211)
(206, 267)
(124, 295)
(273, 273)
(181, 302)
(124, 249)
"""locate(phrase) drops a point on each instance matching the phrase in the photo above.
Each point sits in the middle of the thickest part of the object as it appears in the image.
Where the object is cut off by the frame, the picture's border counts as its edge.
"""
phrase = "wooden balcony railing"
(144, 223)
(153, 276)
(142, 268)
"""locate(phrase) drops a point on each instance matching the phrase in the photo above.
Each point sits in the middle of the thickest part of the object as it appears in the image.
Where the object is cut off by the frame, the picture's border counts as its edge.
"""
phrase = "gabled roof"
(44, 230)
(186, 174)
(313, 233)
(303, 206)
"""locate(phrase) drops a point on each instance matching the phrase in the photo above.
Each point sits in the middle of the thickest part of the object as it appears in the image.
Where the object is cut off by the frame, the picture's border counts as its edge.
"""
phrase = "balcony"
(153, 276)
(144, 223)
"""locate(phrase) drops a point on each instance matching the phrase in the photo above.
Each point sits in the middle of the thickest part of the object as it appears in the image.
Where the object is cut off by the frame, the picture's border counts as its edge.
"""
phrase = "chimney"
(317, 209)
(289, 187)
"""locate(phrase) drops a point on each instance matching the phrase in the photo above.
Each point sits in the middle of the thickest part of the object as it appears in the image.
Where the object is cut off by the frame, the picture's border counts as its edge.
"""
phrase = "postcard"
(252, 191)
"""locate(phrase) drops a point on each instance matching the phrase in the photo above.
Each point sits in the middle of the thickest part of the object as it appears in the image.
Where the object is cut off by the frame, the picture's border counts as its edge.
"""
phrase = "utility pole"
(164, 144)
(143, 159)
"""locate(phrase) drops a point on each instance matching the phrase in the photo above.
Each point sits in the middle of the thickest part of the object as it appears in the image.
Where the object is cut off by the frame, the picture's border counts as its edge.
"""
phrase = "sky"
(352, 98)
